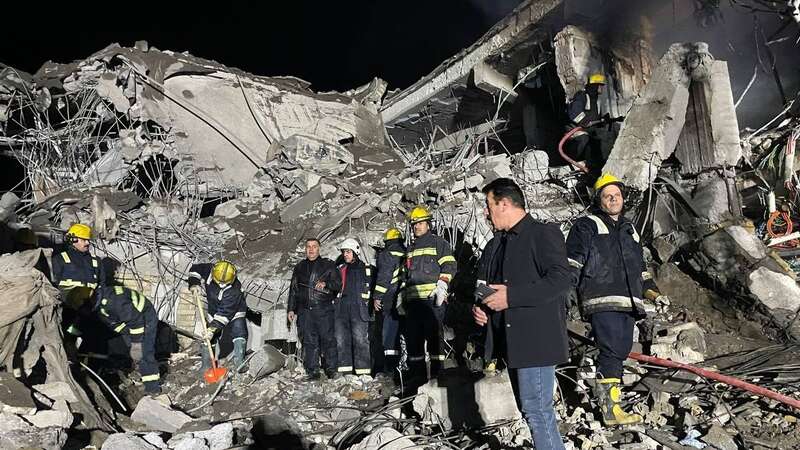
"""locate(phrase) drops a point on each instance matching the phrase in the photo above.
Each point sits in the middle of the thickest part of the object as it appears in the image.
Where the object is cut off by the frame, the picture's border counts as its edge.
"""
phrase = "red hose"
(731, 381)
(582, 167)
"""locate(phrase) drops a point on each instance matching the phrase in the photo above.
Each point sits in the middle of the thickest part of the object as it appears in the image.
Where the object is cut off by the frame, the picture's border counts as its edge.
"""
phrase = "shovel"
(215, 373)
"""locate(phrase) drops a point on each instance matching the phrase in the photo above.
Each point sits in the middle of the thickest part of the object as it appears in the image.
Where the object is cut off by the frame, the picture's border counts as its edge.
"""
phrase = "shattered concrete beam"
(502, 36)
(489, 80)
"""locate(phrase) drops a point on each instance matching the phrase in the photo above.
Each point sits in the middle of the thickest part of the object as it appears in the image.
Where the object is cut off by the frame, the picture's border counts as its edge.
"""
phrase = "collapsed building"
(174, 159)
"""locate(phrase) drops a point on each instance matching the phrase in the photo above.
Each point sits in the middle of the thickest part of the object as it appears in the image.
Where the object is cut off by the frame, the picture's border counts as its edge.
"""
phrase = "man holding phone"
(526, 265)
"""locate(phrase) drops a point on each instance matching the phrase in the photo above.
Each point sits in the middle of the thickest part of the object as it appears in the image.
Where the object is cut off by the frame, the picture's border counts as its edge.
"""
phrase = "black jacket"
(122, 310)
(607, 264)
(536, 274)
(225, 303)
(389, 268)
(356, 285)
(302, 293)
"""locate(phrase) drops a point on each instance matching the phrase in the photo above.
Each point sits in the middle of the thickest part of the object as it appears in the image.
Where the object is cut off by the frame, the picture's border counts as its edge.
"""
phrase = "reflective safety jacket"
(607, 264)
(72, 268)
(225, 303)
(582, 110)
(428, 260)
(389, 271)
(122, 309)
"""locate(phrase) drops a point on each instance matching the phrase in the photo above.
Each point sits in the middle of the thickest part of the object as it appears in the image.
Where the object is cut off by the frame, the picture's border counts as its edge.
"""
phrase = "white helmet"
(350, 244)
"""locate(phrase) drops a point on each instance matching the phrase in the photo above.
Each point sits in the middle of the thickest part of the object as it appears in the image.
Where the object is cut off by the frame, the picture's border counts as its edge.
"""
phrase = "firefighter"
(429, 268)
(352, 311)
(384, 296)
(77, 274)
(130, 314)
(614, 288)
(584, 111)
(226, 306)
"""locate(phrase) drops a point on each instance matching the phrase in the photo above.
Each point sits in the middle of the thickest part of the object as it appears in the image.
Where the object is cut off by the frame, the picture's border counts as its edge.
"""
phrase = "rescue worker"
(384, 296)
(353, 311)
(614, 288)
(583, 111)
(130, 314)
(77, 274)
(226, 306)
(315, 282)
(429, 268)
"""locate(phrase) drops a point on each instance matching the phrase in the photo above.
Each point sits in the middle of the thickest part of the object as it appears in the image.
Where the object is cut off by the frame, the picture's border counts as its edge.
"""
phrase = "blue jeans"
(533, 387)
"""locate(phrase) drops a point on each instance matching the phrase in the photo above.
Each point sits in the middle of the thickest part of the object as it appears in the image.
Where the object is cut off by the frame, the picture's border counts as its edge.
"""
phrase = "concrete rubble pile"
(174, 160)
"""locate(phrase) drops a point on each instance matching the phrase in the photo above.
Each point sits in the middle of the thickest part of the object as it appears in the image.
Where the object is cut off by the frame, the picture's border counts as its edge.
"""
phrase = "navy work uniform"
(387, 282)
(76, 274)
(131, 315)
(353, 318)
(226, 306)
(429, 260)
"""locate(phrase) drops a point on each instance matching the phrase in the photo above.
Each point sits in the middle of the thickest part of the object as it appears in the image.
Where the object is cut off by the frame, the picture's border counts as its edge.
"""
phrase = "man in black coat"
(528, 270)
(315, 282)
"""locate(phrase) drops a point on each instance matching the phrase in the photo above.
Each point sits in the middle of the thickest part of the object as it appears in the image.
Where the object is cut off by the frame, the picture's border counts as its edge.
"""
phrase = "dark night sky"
(336, 45)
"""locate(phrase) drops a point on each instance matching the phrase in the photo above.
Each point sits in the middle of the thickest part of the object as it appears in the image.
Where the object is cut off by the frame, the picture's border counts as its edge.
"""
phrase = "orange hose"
(787, 222)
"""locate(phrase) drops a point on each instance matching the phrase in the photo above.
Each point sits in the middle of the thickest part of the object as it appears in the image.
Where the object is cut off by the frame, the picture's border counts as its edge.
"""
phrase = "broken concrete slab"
(301, 205)
(385, 438)
(265, 361)
(719, 439)
(219, 437)
(779, 294)
(652, 128)
(489, 80)
(15, 397)
(17, 434)
(126, 441)
(190, 443)
(50, 418)
(157, 416)
(495, 399)
(684, 343)
(56, 390)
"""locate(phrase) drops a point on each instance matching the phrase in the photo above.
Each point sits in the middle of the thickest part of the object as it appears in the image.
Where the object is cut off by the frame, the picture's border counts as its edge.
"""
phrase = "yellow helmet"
(419, 214)
(605, 180)
(392, 233)
(80, 231)
(224, 272)
(597, 78)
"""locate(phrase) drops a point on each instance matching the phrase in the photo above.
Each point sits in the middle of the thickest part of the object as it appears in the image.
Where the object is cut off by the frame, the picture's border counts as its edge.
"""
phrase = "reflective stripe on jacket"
(389, 270)
(607, 264)
(225, 303)
(122, 309)
(429, 259)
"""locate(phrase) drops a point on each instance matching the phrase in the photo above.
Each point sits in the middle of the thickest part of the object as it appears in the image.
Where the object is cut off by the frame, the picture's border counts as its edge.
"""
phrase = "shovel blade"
(215, 374)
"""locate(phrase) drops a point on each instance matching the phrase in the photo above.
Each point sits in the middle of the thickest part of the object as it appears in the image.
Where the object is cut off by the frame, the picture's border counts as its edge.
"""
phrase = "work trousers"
(613, 334)
(316, 328)
(390, 337)
(352, 336)
(423, 327)
(148, 365)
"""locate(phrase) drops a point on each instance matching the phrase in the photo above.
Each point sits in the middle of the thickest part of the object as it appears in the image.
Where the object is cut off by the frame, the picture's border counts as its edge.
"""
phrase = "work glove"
(210, 332)
(440, 293)
(136, 351)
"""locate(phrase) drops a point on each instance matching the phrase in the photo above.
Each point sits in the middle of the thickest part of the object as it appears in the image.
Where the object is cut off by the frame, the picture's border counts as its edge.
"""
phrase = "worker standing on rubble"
(315, 282)
(77, 274)
(226, 306)
(130, 314)
(429, 268)
(384, 296)
(353, 311)
(584, 112)
(610, 274)
(524, 305)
